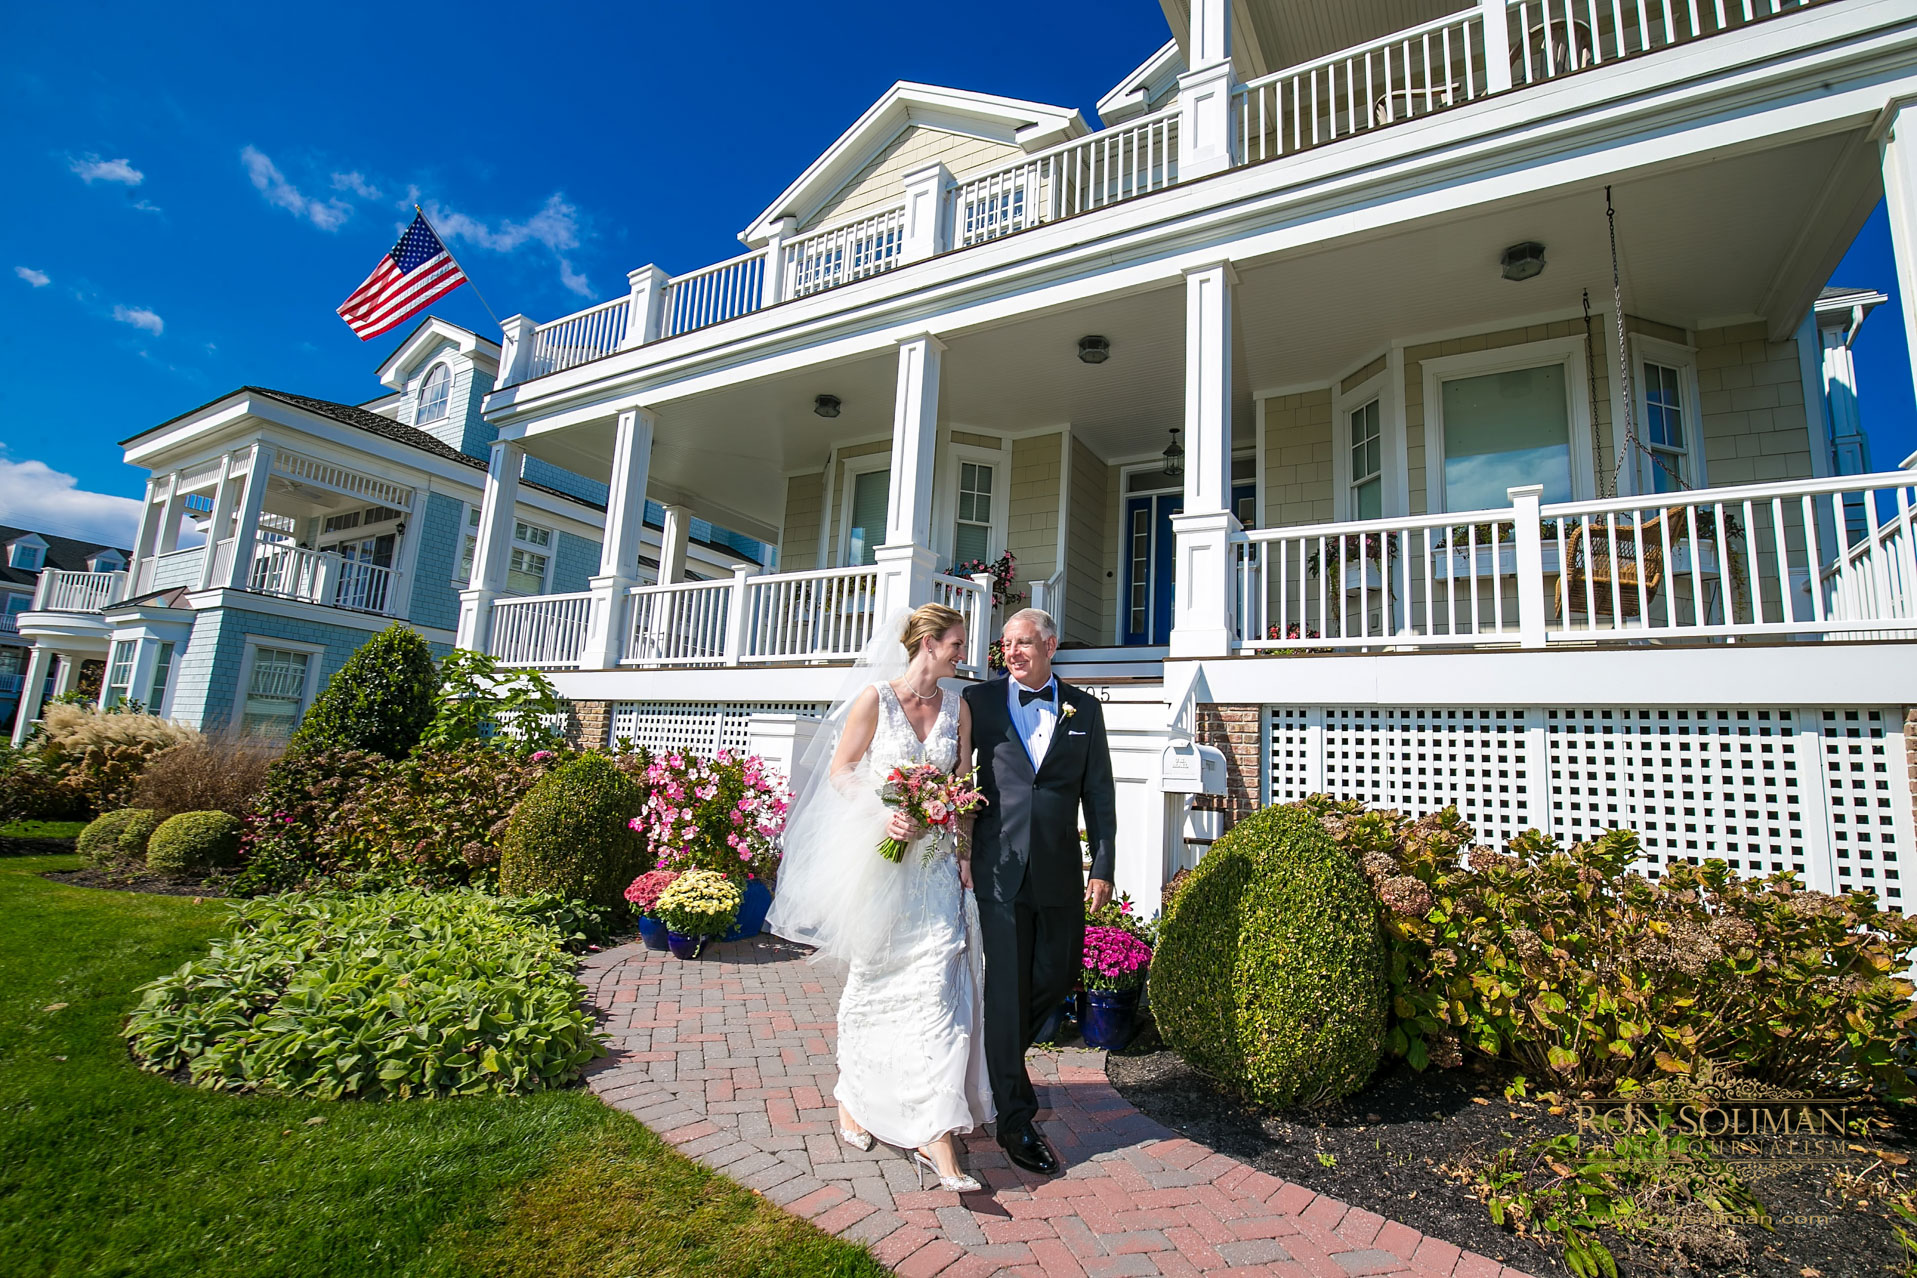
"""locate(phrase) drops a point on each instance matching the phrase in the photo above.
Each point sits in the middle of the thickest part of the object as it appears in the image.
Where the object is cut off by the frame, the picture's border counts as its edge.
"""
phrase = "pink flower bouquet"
(935, 799)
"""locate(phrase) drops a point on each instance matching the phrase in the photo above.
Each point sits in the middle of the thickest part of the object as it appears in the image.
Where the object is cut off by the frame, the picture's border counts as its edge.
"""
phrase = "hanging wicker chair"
(1589, 562)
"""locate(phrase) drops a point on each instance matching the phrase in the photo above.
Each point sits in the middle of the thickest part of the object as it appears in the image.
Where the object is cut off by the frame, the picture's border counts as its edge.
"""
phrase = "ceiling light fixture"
(1174, 457)
(826, 405)
(1094, 349)
(1523, 261)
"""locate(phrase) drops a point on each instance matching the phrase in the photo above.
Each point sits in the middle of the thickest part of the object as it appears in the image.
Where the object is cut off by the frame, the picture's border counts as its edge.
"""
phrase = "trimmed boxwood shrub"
(381, 699)
(570, 835)
(118, 838)
(1270, 968)
(193, 843)
(392, 994)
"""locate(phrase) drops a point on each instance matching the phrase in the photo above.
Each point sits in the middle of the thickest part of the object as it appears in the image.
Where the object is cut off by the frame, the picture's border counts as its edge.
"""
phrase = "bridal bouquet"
(935, 799)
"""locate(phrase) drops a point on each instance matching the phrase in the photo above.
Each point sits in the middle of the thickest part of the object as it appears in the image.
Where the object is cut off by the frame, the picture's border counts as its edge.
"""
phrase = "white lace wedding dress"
(911, 1025)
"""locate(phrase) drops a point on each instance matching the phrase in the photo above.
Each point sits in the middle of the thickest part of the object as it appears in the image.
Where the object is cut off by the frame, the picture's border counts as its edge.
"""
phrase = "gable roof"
(62, 552)
(427, 334)
(1029, 125)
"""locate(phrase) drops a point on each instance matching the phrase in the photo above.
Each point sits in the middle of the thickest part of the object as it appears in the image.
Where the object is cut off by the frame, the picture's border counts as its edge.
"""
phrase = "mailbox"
(1190, 768)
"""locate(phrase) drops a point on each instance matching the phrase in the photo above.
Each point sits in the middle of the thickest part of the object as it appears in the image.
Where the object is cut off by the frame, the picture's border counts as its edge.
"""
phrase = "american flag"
(418, 272)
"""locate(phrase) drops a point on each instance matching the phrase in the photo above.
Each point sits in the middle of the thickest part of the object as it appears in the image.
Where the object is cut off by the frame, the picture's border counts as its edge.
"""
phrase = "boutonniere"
(1067, 710)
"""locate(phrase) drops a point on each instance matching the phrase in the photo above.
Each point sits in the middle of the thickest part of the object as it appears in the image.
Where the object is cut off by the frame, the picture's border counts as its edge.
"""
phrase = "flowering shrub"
(699, 903)
(1590, 975)
(1115, 959)
(724, 813)
(1004, 574)
(645, 890)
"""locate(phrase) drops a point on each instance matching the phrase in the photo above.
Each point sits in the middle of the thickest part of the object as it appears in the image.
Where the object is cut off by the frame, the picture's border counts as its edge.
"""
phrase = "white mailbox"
(1190, 768)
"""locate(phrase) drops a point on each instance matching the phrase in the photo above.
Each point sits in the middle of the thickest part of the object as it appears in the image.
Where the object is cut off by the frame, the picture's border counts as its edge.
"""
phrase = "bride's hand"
(965, 874)
(901, 826)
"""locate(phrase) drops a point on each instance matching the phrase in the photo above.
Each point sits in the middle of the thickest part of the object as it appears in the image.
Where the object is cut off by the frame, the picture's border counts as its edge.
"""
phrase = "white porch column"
(619, 553)
(1204, 93)
(905, 560)
(1201, 570)
(39, 659)
(672, 545)
(167, 533)
(1497, 44)
(225, 495)
(1900, 196)
(646, 316)
(66, 674)
(927, 213)
(492, 545)
(246, 529)
(772, 283)
(515, 352)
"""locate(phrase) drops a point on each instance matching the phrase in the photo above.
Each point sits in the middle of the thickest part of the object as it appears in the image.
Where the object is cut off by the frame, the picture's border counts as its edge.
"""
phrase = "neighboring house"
(1311, 348)
(316, 524)
(24, 556)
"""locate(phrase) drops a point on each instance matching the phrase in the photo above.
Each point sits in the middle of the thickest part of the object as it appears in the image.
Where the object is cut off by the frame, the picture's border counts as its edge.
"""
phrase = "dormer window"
(105, 561)
(29, 554)
(433, 394)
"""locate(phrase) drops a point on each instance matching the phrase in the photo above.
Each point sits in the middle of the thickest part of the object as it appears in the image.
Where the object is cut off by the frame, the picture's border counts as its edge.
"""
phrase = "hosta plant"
(385, 995)
(699, 903)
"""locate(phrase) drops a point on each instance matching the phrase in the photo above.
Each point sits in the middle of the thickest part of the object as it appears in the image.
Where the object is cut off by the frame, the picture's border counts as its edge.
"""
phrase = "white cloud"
(91, 169)
(555, 226)
(147, 206)
(327, 215)
(356, 184)
(140, 317)
(34, 495)
(39, 279)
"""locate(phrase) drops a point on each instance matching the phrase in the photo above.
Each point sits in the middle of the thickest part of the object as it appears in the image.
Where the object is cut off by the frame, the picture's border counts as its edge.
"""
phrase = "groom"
(1041, 756)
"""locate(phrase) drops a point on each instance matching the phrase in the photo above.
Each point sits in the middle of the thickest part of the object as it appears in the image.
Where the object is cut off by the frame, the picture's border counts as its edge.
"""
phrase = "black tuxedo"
(1027, 871)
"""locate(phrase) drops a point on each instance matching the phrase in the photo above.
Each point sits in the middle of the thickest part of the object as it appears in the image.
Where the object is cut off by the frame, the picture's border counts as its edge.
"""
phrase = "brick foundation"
(590, 726)
(1237, 730)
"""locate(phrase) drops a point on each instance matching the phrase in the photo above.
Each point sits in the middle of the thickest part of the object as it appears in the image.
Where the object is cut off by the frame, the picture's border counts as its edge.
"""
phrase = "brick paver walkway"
(730, 1058)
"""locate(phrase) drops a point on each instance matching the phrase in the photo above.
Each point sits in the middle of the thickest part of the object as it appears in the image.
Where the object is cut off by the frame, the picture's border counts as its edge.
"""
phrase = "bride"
(911, 1035)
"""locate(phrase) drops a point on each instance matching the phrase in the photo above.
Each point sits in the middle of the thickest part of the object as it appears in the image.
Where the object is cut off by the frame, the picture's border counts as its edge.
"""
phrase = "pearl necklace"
(935, 694)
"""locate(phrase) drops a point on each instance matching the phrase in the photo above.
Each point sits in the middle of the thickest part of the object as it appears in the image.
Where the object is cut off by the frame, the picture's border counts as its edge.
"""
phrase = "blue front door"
(1146, 551)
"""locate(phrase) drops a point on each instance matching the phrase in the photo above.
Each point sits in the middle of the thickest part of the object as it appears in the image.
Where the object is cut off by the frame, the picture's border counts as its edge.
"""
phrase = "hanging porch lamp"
(1174, 457)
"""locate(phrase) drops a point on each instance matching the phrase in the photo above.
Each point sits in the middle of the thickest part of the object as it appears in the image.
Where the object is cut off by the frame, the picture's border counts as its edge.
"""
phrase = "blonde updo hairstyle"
(928, 621)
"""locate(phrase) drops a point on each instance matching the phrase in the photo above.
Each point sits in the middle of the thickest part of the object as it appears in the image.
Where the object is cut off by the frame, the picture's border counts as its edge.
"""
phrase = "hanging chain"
(1590, 370)
(1631, 445)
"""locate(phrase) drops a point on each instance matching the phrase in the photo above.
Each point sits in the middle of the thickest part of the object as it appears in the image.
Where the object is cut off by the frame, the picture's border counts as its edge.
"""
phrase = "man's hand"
(1098, 893)
(965, 874)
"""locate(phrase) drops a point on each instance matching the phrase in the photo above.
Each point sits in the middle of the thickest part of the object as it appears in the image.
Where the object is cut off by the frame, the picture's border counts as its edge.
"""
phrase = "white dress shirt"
(1036, 721)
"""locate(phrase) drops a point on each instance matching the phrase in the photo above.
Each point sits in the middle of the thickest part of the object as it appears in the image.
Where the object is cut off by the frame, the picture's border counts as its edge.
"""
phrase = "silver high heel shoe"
(959, 1184)
(861, 1141)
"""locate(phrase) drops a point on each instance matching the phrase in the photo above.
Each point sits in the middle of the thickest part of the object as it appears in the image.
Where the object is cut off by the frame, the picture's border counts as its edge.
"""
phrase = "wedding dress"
(911, 1021)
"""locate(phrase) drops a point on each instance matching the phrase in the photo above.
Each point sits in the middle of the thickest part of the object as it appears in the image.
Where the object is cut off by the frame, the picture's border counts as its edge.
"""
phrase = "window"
(162, 672)
(972, 533)
(525, 572)
(433, 394)
(340, 523)
(1505, 429)
(28, 553)
(17, 604)
(105, 561)
(525, 569)
(1140, 550)
(867, 526)
(1365, 499)
(119, 681)
(1664, 439)
(275, 693)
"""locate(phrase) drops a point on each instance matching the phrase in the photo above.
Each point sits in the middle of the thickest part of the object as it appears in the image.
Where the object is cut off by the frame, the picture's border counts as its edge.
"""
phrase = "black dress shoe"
(1029, 1150)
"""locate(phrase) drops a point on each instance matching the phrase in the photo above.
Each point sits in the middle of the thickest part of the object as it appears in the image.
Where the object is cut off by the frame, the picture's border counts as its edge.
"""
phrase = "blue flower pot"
(653, 933)
(752, 911)
(1111, 1016)
(683, 946)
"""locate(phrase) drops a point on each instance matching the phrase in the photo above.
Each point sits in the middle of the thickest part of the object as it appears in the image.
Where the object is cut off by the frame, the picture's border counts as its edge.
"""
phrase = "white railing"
(288, 571)
(8, 626)
(11, 684)
(684, 624)
(547, 630)
(1075, 177)
(971, 598)
(1718, 564)
(62, 591)
(1048, 595)
(579, 338)
(364, 587)
(1550, 38)
(713, 294)
(827, 615)
(870, 245)
(344, 479)
(1412, 72)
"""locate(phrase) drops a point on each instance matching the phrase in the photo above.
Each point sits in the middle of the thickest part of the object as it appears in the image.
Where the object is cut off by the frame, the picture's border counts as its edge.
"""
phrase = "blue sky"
(193, 189)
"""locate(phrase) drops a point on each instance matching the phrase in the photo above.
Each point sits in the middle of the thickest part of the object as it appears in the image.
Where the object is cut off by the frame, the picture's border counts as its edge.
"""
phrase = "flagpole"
(456, 262)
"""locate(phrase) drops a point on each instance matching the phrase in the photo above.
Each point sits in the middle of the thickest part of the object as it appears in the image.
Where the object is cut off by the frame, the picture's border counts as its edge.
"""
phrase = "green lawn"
(42, 829)
(108, 1170)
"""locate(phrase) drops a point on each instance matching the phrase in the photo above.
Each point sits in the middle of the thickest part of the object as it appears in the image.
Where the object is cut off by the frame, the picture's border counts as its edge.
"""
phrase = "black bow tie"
(1026, 696)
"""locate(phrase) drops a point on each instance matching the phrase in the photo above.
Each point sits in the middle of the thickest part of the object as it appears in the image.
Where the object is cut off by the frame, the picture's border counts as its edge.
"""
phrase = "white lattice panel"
(1295, 767)
(702, 727)
(1421, 759)
(1694, 784)
(1865, 776)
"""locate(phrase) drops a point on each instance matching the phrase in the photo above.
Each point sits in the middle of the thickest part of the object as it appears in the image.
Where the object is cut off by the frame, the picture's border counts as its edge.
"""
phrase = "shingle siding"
(544, 472)
(439, 529)
(575, 562)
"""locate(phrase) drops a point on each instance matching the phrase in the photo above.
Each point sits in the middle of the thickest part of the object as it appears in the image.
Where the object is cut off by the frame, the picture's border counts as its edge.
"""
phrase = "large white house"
(326, 522)
(1422, 400)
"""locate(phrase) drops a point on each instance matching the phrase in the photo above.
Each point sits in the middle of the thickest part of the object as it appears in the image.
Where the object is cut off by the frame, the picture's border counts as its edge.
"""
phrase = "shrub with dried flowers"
(1590, 975)
(97, 756)
(724, 813)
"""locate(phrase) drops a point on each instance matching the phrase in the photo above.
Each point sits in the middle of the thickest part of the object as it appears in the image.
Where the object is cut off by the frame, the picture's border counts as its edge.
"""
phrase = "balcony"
(1410, 74)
